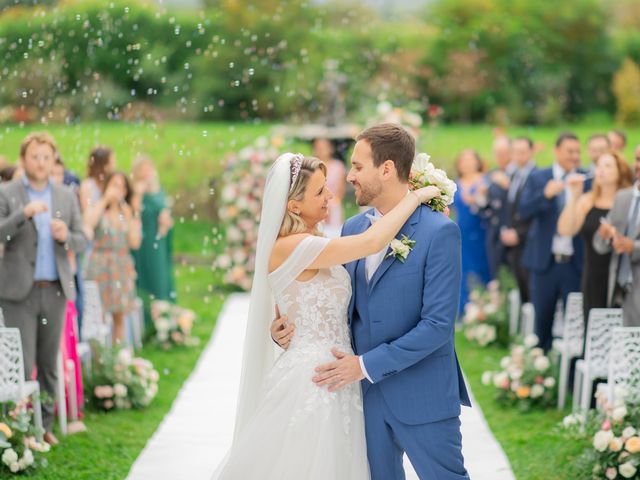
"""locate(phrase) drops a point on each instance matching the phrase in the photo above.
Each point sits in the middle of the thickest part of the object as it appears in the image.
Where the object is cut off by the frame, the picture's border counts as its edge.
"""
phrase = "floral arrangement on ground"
(172, 324)
(527, 377)
(612, 433)
(20, 451)
(121, 381)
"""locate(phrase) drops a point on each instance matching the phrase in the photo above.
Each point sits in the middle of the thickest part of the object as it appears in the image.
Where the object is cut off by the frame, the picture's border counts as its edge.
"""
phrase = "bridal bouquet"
(121, 381)
(486, 316)
(425, 174)
(172, 324)
(19, 449)
(526, 378)
(613, 433)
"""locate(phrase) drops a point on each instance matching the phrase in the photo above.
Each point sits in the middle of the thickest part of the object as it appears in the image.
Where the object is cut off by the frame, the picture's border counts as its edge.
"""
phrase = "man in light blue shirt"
(40, 224)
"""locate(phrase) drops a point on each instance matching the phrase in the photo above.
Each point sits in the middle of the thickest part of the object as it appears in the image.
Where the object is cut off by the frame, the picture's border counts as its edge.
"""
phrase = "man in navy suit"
(513, 233)
(554, 261)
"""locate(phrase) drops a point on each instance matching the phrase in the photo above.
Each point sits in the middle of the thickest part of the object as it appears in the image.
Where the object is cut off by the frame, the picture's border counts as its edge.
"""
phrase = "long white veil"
(258, 356)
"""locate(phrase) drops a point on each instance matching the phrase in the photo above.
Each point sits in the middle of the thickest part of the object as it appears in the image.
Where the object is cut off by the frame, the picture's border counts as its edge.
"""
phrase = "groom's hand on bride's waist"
(281, 331)
(339, 373)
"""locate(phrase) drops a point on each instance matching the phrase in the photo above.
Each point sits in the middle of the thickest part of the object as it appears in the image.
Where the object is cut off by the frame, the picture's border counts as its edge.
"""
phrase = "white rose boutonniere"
(400, 248)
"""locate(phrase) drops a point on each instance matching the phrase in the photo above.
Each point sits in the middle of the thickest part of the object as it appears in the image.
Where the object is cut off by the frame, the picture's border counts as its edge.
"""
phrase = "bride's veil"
(258, 356)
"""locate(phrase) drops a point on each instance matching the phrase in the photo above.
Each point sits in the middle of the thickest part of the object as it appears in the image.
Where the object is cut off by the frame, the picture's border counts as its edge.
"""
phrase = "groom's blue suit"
(402, 324)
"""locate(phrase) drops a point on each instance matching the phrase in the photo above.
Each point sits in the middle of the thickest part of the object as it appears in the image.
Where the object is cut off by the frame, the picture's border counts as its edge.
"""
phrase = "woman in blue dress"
(475, 265)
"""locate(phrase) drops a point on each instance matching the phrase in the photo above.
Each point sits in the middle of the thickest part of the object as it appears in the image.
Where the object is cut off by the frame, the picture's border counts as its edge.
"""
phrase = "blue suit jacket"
(406, 333)
(544, 214)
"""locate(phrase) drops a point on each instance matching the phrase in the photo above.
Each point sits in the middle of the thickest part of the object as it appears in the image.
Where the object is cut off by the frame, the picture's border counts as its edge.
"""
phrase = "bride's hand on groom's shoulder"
(281, 331)
(425, 194)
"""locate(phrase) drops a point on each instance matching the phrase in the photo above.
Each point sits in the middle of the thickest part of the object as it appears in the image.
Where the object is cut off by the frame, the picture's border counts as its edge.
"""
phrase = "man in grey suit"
(621, 236)
(39, 223)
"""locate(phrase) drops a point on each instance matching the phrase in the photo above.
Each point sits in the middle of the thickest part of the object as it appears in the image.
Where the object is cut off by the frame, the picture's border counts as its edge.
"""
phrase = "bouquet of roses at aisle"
(120, 381)
(19, 449)
(425, 174)
(613, 432)
(526, 378)
(486, 316)
(172, 324)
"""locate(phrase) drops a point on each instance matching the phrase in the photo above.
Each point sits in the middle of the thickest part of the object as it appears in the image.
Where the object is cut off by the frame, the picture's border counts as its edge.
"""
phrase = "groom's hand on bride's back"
(281, 331)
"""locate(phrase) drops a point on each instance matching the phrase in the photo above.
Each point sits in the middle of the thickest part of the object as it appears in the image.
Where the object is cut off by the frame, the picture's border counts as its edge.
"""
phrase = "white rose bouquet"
(486, 316)
(424, 174)
(172, 324)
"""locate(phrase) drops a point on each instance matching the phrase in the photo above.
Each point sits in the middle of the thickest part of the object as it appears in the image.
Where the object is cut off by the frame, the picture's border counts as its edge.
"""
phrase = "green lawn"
(532, 442)
(189, 155)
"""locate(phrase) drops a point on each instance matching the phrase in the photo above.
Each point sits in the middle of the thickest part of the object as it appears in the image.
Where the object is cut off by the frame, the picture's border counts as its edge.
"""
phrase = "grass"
(190, 155)
(532, 442)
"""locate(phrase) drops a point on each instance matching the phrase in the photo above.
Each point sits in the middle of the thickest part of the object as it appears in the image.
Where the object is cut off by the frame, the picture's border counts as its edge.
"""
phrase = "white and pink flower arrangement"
(240, 203)
(172, 324)
(121, 381)
(612, 433)
(19, 449)
(486, 317)
(526, 379)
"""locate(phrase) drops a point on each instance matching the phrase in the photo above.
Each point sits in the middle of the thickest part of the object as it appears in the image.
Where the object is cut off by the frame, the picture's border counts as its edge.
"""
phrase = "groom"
(402, 319)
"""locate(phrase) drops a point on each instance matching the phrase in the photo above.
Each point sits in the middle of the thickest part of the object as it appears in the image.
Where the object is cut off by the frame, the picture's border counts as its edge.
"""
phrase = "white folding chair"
(62, 397)
(571, 344)
(528, 319)
(595, 364)
(1, 318)
(514, 311)
(624, 363)
(135, 324)
(13, 386)
(94, 326)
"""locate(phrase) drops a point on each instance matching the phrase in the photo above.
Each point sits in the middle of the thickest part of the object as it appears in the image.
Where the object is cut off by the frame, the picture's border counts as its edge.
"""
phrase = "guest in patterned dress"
(116, 231)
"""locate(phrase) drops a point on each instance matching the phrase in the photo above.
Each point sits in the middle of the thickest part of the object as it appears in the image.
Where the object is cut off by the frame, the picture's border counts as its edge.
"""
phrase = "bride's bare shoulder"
(283, 247)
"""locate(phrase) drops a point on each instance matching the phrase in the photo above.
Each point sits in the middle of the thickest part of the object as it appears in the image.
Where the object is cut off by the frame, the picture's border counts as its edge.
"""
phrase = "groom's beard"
(368, 193)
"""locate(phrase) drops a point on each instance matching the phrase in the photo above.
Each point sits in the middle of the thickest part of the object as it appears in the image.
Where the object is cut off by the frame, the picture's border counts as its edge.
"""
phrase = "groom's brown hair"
(389, 141)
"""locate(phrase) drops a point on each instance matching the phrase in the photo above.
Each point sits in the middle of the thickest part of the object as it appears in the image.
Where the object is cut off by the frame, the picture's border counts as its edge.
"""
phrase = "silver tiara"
(296, 165)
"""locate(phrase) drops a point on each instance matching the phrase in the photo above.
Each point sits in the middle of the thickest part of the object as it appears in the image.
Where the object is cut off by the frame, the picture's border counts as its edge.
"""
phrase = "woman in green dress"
(154, 263)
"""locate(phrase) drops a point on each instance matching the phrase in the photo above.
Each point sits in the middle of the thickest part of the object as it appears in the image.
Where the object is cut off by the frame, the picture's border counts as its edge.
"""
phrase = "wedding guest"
(514, 233)
(102, 162)
(597, 145)
(475, 266)
(116, 231)
(554, 261)
(618, 140)
(582, 214)
(41, 222)
(153, 260)
(336, 181)
(619, 236)
(494, 191)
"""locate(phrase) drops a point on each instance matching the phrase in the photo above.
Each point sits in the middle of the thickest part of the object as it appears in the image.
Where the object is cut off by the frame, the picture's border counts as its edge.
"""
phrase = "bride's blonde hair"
(293, 223)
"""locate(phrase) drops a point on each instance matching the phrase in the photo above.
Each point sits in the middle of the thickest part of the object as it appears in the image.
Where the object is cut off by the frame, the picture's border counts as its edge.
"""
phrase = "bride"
(288, 428)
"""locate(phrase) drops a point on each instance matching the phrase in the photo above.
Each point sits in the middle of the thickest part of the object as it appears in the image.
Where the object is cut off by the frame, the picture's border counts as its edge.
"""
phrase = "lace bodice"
(318, 308)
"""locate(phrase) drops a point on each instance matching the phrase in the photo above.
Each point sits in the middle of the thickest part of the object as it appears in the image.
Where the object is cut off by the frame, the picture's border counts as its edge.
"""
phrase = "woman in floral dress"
(116, 231)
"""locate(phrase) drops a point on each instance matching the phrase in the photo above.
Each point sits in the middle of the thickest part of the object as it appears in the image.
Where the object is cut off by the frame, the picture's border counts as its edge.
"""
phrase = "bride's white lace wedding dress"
(301, 431)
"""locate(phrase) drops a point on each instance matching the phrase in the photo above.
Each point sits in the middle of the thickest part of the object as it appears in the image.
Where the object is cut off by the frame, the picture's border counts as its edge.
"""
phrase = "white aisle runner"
(195, 435)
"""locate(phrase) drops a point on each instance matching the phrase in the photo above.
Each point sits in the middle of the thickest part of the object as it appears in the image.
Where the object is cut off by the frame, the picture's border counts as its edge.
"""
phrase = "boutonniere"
(400, 249)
